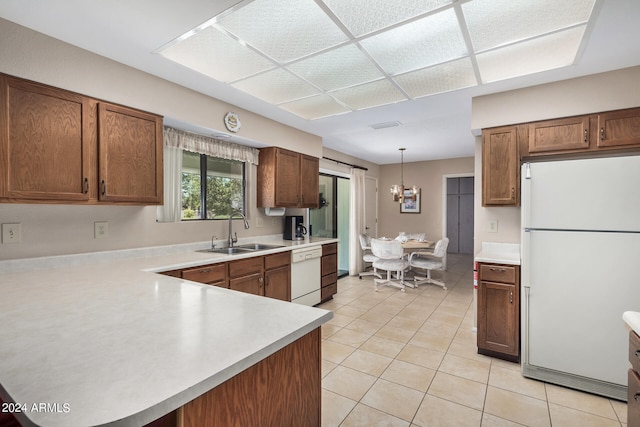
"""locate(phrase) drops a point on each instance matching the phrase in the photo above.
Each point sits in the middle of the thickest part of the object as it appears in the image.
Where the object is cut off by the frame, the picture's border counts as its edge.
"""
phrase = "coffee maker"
(293, 228)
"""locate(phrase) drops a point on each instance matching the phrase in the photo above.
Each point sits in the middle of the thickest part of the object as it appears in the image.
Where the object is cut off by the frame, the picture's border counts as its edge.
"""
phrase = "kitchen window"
(212, 187)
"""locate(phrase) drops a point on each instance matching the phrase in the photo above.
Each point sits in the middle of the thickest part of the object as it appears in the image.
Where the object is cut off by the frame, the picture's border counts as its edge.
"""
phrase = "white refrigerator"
(580, 270)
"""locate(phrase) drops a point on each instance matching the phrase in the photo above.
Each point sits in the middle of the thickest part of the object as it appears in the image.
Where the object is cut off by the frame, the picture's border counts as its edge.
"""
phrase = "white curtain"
(171, 210)
(209, 146)
(356, 219)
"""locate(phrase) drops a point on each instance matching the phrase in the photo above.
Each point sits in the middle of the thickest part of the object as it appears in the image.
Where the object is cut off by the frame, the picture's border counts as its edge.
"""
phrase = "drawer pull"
(637, 353)
(206, 270)
(636, 397)
(501, 270)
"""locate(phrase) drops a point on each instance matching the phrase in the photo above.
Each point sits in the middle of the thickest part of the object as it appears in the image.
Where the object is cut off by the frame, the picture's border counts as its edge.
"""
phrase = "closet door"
(460, 215)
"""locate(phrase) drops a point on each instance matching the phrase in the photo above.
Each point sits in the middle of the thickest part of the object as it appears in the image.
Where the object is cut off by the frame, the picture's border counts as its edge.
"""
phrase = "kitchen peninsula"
(101, 339)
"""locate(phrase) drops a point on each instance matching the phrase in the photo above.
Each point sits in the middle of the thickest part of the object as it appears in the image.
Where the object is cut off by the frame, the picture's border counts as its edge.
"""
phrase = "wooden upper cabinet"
(309, 182)
(619, 128)
(130, 155)
(287, 179)
(45, 143)
(559, 135)
(64, 147)
(500, 166)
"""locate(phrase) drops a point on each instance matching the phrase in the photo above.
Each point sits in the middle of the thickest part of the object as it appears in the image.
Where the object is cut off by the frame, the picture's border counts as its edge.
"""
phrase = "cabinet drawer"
(329, 279)
(329, 265)
(633, 399)
(277, 260)
(498, 273)
(207, 273)
(245, 267)
(328, 291)
(331, 248)
(634, 350)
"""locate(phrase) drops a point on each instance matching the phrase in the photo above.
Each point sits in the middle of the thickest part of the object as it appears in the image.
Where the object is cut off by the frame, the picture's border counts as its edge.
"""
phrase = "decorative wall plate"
(232, 122)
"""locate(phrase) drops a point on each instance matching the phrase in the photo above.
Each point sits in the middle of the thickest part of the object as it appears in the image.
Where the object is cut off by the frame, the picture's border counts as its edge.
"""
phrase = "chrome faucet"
(233, 237)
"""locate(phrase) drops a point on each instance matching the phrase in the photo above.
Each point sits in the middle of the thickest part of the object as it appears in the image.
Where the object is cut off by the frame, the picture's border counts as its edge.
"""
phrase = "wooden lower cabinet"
(499, 311)
(247, 275)
(214, 274)
(268, 275)
(329, 271)
(277, 276)
(282, 390)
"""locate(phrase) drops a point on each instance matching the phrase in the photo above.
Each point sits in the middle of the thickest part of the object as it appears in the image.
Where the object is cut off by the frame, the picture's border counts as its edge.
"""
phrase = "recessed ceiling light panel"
(338, 68)
(428, 41)
(315, 107)
(366, 16)
(282, 29)
(276, 86)
(216, 55)
(541, 54)
(439, 78)
(368, 95)
(499, 22)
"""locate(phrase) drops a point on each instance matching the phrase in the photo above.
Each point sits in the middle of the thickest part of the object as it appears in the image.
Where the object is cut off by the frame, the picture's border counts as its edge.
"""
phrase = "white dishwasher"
(305, 275)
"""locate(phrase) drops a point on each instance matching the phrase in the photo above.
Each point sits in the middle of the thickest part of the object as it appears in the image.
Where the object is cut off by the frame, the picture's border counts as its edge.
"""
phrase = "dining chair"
(429, 261)
(390, 256)
(367, 256)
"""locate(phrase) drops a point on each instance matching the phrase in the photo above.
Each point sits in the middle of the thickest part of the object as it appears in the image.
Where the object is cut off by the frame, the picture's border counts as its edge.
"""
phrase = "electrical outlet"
(259, 222)
(11, 233)
(493, 226)
(100, 230)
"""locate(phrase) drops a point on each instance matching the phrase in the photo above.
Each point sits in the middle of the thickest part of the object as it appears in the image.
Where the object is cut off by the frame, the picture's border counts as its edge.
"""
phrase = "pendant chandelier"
(398, 191)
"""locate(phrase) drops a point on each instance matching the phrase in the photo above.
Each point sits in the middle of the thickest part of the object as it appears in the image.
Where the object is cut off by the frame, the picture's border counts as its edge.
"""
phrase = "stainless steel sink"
(227, 251)
(258, 246)
(241, 249)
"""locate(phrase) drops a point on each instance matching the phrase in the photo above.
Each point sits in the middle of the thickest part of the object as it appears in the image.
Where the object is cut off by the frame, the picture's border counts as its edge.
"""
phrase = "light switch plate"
(100, 230)
(493, 226)
(11, 233)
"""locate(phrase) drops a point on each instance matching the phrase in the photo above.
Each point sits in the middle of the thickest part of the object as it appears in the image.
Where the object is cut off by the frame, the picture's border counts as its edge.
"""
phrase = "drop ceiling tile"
(422, 43)
(276, 86)
(529, 57)
(315, 107)
(439, 78)
(216, 55)
(365, 16)
(497, 22)
(284, 30)
(368, 95)
(339, 68)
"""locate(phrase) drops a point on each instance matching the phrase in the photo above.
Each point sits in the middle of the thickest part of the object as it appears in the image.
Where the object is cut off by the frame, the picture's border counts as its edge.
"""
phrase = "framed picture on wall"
(410, 202)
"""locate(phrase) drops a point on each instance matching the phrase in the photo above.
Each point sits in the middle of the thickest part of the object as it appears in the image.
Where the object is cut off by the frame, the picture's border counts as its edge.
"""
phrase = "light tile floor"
(392, 358)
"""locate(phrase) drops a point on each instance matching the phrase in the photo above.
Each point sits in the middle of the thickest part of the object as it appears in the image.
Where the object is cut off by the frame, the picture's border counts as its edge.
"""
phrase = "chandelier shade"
(398, 191)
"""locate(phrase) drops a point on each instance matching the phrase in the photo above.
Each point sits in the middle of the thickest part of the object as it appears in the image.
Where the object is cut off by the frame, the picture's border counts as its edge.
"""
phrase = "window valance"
(210, 146)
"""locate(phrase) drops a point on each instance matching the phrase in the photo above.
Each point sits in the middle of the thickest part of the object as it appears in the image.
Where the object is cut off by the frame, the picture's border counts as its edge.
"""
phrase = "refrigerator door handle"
(525, 327)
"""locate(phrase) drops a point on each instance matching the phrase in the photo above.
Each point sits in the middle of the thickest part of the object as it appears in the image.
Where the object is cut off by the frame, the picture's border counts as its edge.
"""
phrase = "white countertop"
(632, 320)
(115, 343)
(499, 253)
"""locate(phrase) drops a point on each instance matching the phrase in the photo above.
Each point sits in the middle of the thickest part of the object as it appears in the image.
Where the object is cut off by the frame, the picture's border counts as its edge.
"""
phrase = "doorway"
(331, 219)
(460, 214)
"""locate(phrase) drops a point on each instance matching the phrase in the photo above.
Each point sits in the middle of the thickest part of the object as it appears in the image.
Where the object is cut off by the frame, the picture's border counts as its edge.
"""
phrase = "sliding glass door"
(331, 219)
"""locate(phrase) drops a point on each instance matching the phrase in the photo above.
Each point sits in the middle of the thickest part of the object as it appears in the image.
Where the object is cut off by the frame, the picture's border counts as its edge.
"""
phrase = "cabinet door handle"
(636, 397)
(104, 187)
(267, 282)
(500, 270)
(637, 353)
(513, 192)
(586, 135)
(601, 134)
(86, 185)
(511, 297)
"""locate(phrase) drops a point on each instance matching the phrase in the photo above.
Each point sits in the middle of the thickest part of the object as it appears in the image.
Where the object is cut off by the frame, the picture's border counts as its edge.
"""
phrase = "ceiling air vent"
(385, 125)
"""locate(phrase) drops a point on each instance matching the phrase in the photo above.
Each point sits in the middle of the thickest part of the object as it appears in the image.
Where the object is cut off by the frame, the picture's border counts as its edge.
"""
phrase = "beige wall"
(65, 229)
(591, 94)
(429, 177)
